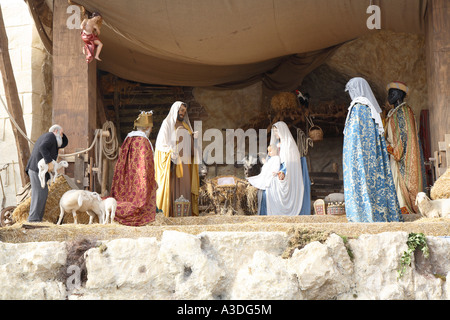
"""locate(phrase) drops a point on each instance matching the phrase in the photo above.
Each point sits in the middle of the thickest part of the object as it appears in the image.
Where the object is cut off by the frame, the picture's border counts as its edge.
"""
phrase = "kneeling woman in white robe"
(284, 194)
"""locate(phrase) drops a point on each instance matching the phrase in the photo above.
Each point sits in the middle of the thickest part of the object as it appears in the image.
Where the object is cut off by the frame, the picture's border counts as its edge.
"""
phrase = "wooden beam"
(44, 36)
(13, 102)
(447, 149)
(74, 84)
(438, 68)
(101, 115)
(116, 108)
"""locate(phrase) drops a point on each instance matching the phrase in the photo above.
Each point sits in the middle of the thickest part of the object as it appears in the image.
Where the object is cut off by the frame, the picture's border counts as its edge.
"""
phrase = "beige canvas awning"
(230, 43)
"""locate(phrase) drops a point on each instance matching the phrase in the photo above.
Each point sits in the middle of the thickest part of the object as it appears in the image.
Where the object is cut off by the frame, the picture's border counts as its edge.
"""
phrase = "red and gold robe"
(134, 185)
(406, 158)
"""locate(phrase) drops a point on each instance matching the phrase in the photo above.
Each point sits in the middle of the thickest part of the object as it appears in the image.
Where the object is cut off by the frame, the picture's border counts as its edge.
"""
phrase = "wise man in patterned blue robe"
(369, 189)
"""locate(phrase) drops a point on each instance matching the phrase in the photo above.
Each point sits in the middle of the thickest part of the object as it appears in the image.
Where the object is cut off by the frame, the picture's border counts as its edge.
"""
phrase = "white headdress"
(360, 92)
(285, 197)
(166, 139)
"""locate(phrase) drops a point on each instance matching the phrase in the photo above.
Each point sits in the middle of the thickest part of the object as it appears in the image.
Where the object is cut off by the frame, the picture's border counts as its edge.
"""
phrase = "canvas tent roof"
(235, 43)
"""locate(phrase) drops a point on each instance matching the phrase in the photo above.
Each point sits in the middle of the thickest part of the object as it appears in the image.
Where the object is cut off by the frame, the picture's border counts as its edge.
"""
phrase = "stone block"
(30, 270)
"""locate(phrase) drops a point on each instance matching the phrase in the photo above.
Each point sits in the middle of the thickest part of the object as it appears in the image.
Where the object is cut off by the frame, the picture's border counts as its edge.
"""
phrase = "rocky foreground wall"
(226, 265)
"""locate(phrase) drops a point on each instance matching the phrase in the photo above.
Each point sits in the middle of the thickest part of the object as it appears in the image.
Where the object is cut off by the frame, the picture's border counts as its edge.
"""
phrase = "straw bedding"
(240, 198)
(241, 218)
(46, 231)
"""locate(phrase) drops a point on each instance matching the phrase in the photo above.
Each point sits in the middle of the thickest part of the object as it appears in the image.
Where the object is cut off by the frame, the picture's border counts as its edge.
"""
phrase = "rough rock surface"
(230, 265)
(30, 271)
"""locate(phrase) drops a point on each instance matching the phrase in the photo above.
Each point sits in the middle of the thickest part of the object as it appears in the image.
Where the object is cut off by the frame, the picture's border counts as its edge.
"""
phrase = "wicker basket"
(336, 209)
(315, 133)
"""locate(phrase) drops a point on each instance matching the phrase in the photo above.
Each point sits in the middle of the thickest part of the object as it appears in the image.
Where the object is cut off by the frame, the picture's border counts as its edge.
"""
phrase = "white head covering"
(285, 197)
(360, 92)
(166, 139)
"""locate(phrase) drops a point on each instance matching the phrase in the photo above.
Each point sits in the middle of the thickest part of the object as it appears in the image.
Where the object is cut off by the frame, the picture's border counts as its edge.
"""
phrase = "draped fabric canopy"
(234, 43)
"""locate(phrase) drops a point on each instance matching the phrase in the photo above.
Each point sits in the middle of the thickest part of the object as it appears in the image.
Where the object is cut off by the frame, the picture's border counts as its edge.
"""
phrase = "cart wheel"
(6, 216)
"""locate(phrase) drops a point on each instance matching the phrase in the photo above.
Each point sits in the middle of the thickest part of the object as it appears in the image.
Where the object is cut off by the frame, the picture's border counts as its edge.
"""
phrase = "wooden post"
(74, 84)
(13, 102)
(438, 68)
(116, 109)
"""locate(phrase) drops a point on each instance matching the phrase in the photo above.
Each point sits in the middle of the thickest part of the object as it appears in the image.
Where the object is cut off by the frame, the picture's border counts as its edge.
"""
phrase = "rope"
(1, 183)
(111, 144)
(97, 132)
(14, 121)
(108, 147)
(303, 142)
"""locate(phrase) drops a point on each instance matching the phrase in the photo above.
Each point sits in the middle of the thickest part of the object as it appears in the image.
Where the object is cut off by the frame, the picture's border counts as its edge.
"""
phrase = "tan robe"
(180, 177)
(405, 156)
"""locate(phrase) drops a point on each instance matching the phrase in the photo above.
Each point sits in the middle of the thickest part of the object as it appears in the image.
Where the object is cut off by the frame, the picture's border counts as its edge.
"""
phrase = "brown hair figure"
(91, 32)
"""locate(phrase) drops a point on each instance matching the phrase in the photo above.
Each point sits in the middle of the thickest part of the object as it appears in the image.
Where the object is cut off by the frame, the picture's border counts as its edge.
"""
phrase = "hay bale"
(240, 198)
(441, 188)
(51, 213)
(284, 102)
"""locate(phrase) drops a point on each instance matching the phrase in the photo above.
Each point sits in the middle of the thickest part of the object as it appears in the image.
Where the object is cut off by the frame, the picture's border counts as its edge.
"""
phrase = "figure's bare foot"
(97, 58)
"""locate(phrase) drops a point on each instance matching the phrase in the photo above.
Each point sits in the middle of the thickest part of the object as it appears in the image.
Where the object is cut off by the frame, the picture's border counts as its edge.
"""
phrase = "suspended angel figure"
(89, 34)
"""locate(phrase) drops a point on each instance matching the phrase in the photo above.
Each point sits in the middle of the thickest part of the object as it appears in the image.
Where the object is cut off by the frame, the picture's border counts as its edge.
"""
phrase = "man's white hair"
(55, 127)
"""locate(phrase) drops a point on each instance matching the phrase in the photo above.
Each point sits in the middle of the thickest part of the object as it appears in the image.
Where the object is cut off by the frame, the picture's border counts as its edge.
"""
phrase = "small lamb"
(433, 208)
(43, 169)
(109, 207)
(83, 201)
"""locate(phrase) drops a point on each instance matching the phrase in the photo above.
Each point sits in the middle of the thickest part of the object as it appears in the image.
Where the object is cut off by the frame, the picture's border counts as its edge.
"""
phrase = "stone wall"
(228, 265)
(32, 71)
(382, 57)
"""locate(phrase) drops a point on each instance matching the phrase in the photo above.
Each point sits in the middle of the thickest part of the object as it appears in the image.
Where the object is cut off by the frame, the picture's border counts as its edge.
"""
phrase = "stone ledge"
(195, 225)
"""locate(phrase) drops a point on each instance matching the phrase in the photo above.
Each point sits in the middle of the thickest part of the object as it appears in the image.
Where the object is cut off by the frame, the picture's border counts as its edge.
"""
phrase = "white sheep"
(109, 207)
(433, 208)
(83, 201)
(43, 169)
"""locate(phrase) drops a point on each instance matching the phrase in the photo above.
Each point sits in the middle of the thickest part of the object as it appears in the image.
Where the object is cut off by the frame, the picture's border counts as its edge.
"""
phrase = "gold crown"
(145, 119)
